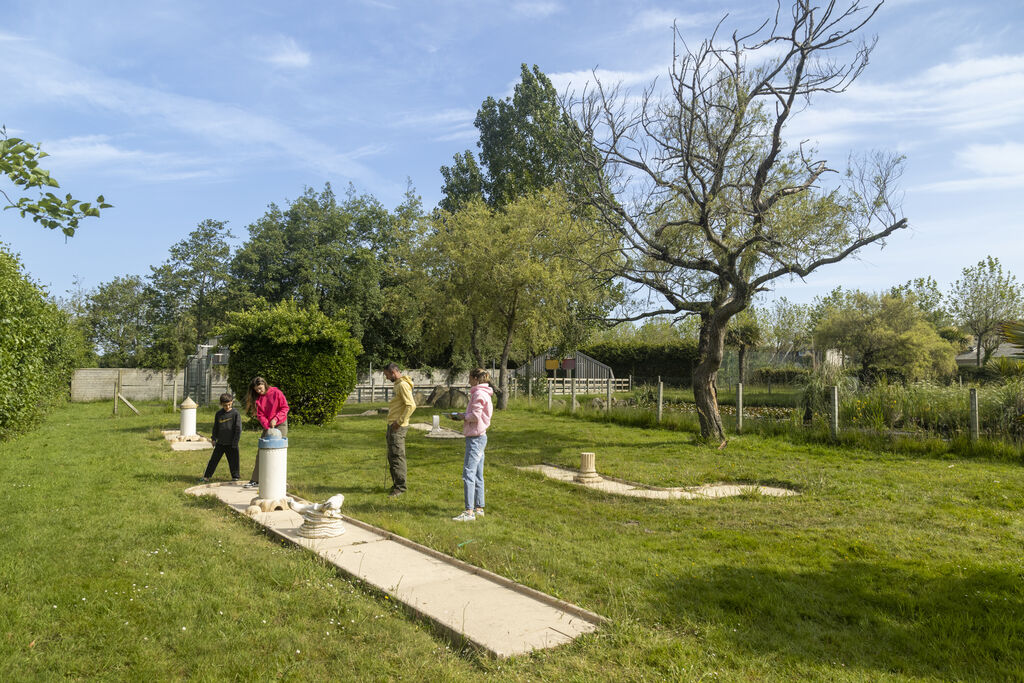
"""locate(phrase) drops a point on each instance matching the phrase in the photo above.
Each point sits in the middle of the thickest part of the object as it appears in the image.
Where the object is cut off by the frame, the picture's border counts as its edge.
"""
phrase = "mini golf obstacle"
(186, 438)
(472, 605)
(588, 477)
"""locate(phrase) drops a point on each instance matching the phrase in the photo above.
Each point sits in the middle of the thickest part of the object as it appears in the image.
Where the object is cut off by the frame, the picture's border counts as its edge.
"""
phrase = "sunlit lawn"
(885, 568)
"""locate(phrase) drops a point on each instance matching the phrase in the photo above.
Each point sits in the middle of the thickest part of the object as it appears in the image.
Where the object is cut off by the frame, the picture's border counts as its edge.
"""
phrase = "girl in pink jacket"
(271, 409)
(476, 420)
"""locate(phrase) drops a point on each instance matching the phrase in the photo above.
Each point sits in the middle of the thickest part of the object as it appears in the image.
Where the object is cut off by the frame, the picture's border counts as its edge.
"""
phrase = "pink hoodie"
(271, 405)
(479, 410)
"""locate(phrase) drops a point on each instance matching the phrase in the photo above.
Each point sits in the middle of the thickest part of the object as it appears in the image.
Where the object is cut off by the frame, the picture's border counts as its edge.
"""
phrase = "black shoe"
(395, 493)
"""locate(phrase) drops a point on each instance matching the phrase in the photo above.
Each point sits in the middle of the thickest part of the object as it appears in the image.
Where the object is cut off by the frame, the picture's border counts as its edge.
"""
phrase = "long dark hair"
(251, 395)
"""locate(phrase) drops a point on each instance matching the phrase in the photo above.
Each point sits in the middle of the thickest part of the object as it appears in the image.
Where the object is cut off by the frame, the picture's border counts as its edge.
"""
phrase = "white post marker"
(188, 417)
(273, 455)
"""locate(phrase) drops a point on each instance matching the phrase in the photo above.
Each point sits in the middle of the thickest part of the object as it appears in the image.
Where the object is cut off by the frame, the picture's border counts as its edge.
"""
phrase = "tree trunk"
(503, 373)
(510, 326)
(474, 347)
(978, 349)
(710, 349)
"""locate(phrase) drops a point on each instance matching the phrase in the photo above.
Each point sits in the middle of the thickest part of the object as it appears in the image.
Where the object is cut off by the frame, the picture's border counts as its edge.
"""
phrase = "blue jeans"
(473, 471)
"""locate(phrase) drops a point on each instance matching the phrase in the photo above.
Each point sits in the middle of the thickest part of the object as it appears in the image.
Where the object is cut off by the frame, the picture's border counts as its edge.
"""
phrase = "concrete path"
(472, 605)
(625, 488)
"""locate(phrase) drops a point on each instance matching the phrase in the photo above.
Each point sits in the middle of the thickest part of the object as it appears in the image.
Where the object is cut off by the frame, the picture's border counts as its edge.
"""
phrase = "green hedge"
(305, 354)
(672, 361)
(39, 350)
(783, 374)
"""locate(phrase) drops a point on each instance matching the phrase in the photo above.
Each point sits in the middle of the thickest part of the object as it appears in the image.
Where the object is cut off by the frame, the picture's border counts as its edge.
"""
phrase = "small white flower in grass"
(55, 607)
(182, 628)
(220, 613)
(297, 651)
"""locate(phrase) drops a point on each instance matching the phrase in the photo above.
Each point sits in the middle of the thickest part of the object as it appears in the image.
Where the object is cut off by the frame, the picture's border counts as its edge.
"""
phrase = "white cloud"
(576, 80)
(98, 152)
(988, 167)
(286, 53)
(664, 19)
(536, 10)
(230, 132)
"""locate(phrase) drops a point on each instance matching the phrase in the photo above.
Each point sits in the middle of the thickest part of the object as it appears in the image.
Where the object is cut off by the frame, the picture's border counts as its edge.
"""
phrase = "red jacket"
(271, 406)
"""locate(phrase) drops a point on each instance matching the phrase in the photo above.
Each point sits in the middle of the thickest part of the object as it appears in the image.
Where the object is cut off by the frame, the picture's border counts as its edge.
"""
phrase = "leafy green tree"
(925, 293)
(510, 279)
(527, 144)
(885, 336)
(982, 300)
(786, 327)
(310, 357)
(463, 182)
(708, 202)
(189, 292)
(19, 161)
(117, 320)
(338, 257)
(40, 348)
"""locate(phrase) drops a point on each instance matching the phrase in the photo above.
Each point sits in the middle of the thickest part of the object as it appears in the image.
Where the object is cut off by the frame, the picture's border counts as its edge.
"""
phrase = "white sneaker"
(479, 512)
(465, 516)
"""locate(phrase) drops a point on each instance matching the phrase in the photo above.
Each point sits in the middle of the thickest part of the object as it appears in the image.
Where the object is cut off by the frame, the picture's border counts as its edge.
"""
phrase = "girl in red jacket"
(271, 409)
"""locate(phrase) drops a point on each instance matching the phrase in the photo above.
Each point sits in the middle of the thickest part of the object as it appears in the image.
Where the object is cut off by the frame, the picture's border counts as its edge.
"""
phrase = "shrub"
(310, 357)
(972, 373)
(39, 350)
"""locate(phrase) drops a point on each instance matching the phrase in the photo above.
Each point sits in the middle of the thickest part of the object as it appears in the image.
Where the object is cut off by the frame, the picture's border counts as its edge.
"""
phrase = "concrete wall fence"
(95, 384)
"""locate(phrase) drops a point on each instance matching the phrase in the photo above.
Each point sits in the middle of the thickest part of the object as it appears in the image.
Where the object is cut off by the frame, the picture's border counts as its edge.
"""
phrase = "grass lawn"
(887, 567)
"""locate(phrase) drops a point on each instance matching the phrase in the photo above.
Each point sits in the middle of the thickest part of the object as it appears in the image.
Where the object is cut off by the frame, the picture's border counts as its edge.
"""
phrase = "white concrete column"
(588, 469)
(273, 465)
(188, 417)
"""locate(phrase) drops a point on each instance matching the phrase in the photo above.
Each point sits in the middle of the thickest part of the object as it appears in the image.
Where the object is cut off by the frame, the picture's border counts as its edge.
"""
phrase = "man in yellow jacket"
(400, 409)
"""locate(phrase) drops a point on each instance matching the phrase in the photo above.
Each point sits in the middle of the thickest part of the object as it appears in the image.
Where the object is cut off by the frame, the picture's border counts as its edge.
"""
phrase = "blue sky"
(181, 111)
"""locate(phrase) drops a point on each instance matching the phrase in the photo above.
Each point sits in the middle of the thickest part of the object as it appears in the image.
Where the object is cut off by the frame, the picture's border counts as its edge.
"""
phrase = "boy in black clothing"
(227, 428)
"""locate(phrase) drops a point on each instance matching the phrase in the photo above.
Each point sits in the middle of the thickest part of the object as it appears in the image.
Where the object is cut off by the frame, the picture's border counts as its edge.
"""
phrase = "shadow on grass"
(161, 477)
(862, 615)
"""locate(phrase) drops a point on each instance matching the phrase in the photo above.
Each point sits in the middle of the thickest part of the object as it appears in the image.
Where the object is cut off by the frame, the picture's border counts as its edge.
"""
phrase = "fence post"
(529, 386)
(174, 396)
(661, 388)
(608, 396)
(572, 391)
(550, 390)
(974, 415)
(630, 383)
(739, 408)
(834, 413)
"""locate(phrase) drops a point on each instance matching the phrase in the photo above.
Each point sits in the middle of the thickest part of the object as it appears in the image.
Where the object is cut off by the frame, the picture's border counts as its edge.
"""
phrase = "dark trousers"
(396, 456)
(256, 465)
(219, 450)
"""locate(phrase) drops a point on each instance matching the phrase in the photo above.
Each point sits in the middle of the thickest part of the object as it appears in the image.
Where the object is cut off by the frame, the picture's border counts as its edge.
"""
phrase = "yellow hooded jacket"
(402, 404)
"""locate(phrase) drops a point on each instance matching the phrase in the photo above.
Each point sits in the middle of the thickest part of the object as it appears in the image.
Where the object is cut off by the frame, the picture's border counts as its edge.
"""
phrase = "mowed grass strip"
(886, 567)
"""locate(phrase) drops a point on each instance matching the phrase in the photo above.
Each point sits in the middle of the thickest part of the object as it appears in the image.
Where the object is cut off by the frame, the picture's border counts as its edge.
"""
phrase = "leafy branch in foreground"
(19, 161)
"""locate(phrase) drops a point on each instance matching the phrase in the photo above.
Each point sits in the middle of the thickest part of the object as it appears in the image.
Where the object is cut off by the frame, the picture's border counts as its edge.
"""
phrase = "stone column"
(588, 470)
(188, 417)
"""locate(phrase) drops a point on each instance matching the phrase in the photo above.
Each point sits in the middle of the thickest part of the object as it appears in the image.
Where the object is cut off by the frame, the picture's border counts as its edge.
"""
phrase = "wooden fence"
(375, 393)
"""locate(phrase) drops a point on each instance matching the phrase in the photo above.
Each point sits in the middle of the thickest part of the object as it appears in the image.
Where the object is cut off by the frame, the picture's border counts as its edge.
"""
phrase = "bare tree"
(708, 203)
